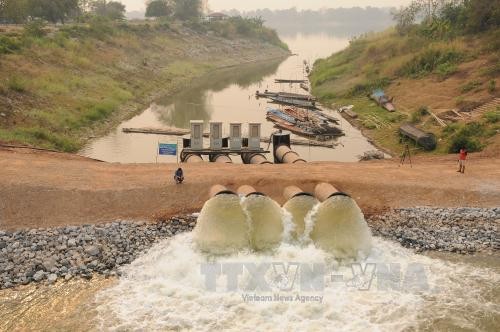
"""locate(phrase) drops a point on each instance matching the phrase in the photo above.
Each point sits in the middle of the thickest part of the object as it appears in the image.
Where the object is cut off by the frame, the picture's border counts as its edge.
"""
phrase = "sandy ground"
(44, 189)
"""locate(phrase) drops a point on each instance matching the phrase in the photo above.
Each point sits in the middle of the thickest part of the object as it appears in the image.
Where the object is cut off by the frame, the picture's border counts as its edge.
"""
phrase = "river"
(228, 96)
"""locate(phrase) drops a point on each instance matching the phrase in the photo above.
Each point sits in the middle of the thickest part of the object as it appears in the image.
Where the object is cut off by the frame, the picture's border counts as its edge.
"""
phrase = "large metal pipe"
(221, 158)
(286, 155)
(324, 191)
(255, 159)
(220, 190)
(293, 191)
(193, 158)
(248, 191)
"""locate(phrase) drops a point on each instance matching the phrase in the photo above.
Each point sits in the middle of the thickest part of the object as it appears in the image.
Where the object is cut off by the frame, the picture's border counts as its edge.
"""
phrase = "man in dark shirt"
(179, 176)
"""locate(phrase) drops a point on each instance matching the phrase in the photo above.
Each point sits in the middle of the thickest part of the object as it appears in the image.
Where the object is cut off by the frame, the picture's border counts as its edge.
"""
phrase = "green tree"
(14, 11)
(54, 10)
(113, 10)
(187, 9)
(159, 8)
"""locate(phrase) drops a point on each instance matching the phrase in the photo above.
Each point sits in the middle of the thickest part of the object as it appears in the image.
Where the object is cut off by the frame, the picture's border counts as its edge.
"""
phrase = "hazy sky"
(280, 4)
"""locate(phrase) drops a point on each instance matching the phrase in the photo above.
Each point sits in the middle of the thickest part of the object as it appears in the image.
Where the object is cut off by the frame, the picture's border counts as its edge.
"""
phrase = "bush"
(367, 88)
(466, 136)
(461, 140)
(416, 116)
(35, 29)
(492, 117)
(492, 86)
(9, 45)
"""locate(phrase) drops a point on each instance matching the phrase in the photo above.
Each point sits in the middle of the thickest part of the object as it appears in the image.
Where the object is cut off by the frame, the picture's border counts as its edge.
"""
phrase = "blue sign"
(167, 149)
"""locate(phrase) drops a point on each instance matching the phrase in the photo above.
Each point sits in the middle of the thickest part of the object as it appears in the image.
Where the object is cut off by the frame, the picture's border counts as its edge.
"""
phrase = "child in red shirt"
(461, 160)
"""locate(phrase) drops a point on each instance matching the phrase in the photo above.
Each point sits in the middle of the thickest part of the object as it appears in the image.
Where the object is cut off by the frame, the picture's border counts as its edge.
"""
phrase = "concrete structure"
(235, 140)
(254, 136)
(196, 135)
(215, 135)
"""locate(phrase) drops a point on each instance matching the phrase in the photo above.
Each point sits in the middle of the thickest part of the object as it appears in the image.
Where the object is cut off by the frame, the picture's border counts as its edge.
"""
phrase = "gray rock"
(39, 275)
(92, 250)
(52, 278)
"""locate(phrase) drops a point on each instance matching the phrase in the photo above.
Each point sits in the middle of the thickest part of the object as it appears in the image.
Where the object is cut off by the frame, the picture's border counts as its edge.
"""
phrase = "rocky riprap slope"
(461, 230)
(79, 251)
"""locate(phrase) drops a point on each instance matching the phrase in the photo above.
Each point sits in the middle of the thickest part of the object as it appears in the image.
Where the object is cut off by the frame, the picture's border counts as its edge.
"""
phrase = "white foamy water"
(165, 290)
(338, 225)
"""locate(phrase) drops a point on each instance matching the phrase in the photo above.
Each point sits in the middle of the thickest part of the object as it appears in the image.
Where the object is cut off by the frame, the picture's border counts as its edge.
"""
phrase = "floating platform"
(280, 80)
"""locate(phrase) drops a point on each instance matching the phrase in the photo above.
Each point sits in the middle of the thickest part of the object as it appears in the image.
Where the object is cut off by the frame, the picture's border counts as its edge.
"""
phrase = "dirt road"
(42, 189)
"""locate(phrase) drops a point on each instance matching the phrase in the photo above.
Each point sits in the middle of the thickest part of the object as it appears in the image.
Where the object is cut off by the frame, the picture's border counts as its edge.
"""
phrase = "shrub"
(466, 136)
(492, 117)
(492, 86)
(9, 45)
(416, 116)
(35, 29)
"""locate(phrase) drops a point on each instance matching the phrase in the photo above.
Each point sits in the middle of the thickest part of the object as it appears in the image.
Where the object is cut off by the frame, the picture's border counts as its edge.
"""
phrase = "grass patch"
(442, 62)
(17, 84)
(469, 86)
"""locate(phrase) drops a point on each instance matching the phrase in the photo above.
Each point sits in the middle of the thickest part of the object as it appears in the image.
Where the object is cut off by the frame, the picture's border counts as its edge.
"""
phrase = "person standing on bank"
(462, 157)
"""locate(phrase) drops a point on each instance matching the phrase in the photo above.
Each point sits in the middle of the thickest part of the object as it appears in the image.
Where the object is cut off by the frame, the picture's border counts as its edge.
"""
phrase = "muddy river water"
(229, 96)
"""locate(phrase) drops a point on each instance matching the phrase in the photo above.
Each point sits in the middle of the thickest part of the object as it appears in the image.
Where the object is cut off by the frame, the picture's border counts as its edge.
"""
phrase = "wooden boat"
(298, 114)
(382, 100)
(296, 129)
(270, 94)
(279, 80)
(294, 102)
(283, 116)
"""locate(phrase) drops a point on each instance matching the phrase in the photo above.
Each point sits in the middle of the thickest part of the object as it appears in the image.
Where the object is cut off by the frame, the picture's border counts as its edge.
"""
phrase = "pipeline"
(221, 158)
(293, 191)
(249, 191)
(192, 158)
(286, 155)
(218, 189)
(254, 159)
(324, 191)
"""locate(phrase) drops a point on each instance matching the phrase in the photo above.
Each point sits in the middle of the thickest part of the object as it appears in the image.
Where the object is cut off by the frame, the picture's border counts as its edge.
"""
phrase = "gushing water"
(168, 288)
(299, 207)
(338, 226)
(266, 221)
(165, 290)
(222, 226)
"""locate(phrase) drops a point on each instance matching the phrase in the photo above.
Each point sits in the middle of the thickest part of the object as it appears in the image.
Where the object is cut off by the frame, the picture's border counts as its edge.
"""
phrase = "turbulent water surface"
(292, 285)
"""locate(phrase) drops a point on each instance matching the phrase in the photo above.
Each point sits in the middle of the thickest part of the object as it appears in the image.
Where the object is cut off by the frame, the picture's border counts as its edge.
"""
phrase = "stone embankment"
(79, 251)
(460, 230)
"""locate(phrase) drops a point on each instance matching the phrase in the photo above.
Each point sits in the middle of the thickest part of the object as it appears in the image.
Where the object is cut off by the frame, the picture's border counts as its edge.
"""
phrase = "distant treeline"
(55, 11)
(333, 16)
(448, 18)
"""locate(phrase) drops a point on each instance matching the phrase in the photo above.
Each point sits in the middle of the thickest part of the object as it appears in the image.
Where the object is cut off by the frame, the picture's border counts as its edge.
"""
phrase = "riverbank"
(455, 79)
(78, 82)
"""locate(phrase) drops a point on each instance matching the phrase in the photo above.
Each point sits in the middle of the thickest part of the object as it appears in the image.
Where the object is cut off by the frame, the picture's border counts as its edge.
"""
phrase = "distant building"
(214, 17)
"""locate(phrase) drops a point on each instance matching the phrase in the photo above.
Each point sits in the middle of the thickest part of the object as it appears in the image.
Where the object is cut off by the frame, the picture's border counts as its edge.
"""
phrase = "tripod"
(406, 154)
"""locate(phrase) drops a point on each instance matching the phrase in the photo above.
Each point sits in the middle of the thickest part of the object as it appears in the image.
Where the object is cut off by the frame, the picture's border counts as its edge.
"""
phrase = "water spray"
(339, 224)
(264, 214)
(222, 226)
(299, 204)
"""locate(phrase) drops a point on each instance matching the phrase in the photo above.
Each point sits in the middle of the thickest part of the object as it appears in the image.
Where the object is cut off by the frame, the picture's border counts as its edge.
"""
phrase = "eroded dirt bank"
(43, 189)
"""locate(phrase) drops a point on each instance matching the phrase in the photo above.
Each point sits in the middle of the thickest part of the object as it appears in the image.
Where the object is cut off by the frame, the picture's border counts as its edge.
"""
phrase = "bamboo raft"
(182, 132)
(279, 80)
